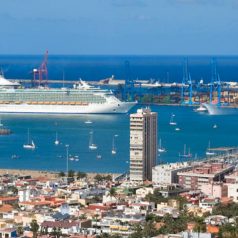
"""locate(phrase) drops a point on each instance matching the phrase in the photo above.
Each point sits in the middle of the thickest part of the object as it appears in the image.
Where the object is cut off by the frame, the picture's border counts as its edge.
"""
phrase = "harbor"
(74, 130)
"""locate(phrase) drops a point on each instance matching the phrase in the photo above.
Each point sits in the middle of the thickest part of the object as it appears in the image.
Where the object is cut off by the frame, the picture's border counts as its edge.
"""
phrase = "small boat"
(56, 139)
(209, 152)
(98, 156)
(172, 122)
(3, 130)
(91, 145)
(185, 154)
(161, 149)
(15, 157)
(88, 122)
(113, 145)
(201, 108)
(77, 159)
(214, 126)
(71, 158)
(177, 129)
(30, 144)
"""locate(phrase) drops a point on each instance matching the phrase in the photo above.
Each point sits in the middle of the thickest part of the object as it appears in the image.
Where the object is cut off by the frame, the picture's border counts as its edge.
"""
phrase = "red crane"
(41, 74)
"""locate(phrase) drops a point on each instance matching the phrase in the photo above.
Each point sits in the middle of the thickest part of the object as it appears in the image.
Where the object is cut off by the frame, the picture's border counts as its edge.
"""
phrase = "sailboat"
(88, 122)
(172, 122)
(185, 154)
(91, 145)
(113, 145)
(209, 152)
(29, 145)
(161, 149)
(56, 139)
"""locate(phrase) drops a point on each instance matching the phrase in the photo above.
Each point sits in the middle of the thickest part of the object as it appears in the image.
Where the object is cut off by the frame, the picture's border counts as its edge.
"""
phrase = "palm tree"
(112, 192)
(61, 174)
(71, 173)
(34, 228)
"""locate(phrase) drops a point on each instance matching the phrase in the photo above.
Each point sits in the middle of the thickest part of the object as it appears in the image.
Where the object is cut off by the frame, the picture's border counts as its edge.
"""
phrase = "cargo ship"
(81, 99)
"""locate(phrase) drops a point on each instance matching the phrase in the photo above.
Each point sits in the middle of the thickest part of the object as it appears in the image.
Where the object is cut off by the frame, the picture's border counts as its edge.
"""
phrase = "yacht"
(91, 145)
(56, 139)
(113, 145)
(209, 152)
(161, 149)
(30, 143)
(172, 122)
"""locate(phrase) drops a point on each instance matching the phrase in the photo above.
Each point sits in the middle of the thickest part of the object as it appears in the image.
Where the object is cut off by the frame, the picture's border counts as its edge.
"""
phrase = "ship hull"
(213, 109)
(106, 108)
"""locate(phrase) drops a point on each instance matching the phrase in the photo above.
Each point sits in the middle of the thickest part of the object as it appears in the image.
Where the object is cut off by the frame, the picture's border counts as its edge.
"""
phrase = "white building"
(233, 191)
(143, 144)
(167, 173)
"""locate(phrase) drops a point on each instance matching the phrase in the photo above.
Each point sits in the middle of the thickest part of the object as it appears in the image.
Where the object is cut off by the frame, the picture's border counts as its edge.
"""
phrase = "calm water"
(163, 68)
(196, 131)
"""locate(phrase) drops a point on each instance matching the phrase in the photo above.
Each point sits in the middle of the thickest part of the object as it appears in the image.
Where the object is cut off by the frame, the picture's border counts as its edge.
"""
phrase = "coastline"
(45, 174)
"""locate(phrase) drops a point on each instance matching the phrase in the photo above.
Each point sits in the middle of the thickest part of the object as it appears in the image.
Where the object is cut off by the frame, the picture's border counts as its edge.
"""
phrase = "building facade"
(167, 173)
(204, 174)
(143, 144)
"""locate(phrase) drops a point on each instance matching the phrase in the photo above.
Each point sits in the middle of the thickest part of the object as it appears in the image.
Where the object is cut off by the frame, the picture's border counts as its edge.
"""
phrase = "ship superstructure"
(82, 98)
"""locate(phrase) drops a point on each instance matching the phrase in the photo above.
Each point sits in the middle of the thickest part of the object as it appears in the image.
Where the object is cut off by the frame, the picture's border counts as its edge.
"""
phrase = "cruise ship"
(81, 99)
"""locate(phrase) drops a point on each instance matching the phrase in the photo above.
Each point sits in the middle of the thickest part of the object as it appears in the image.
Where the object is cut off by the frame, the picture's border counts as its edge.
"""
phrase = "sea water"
(196, 130)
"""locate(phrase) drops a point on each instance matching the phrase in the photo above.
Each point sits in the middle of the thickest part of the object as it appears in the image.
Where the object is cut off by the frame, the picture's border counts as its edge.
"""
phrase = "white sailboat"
(98, 156)
(56, 139)
(30, 144)
(161, 149)
(209, 152)
(91, 145)
(113, 145)
(172, 122)
(88, 122)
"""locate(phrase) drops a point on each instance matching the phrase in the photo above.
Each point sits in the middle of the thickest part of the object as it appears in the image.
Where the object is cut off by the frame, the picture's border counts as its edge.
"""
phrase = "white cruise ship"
(82, 98)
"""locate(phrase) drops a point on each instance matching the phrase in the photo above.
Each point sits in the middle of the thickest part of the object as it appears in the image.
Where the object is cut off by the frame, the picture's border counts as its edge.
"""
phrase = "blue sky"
(160, 27)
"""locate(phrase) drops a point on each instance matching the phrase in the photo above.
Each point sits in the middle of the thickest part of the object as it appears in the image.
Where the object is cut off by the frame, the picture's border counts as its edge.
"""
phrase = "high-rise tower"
(143, 144)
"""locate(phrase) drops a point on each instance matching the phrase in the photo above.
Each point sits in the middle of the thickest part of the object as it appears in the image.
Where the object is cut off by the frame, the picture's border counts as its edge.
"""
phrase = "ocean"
(196, 129)
(163, 68)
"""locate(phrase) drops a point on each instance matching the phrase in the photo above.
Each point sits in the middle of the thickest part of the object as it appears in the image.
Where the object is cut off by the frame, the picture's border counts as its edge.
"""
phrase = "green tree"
(113, 192)
(137, 232)
(71, 173)
(34, 228)
(61, 174)
(108, 177)
(229, 210)
(149, 230)
(98, 178)
(82, 217)
(228, 231)
(56, 232)
(81, 175)
(13, 189)
(20, 230)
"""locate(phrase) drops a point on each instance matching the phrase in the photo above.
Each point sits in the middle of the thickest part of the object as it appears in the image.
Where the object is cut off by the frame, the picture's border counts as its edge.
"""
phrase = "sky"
(119, 27)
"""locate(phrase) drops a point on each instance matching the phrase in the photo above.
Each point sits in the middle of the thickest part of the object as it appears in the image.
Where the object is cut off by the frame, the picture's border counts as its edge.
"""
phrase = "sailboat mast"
(28, 136)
